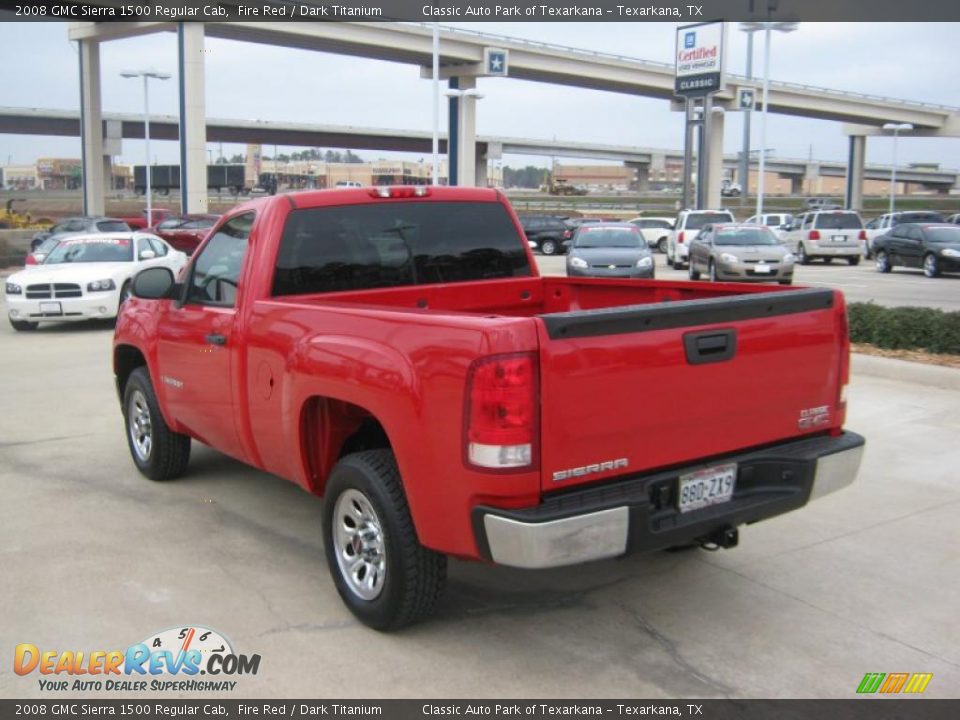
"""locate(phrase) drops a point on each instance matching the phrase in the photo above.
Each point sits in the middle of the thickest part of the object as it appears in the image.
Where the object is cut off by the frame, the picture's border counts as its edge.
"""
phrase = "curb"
(945, 378)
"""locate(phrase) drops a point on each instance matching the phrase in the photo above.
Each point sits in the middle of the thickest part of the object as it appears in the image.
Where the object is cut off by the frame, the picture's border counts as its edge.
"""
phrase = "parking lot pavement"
(859, 284)
(95, 557)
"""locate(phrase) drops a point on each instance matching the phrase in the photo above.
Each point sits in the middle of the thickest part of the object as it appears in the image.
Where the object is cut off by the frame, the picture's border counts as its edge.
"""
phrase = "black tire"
(125, 294)
(23, 325)
(712, 271)
(827, 260)
(931, 265)
(883, 262)
(677, 263)
(168, 452)
(413, 577)
(855, 260)
(662, 245)
(694, 274)
(802, 256)
(788, 281)
(548, 247)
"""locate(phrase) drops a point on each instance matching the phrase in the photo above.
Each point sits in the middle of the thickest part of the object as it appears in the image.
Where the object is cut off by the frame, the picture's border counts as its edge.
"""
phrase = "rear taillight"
(863, 235)
(31, 260)
(501, 419)
(844, 371)
(814, 235)
(680, 237)
(567, 234)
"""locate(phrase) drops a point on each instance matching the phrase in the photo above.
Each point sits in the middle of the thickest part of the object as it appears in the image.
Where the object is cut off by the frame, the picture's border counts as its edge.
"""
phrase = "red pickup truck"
(395, 351)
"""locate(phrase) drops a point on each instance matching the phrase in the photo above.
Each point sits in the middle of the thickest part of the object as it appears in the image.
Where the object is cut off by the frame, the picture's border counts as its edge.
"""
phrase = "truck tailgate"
(630, 389)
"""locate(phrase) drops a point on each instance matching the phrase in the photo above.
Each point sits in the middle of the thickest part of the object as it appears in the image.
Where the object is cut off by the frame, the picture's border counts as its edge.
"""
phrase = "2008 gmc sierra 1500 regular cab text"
(395, 351)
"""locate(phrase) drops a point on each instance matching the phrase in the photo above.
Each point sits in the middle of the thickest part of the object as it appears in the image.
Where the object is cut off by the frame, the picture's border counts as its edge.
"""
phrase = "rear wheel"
(662, 245)
(883, 262)
(694, 274)
(157, 451)
(712, 270)
(802, 256)
(827, 260)
(548, 247)
(931, 266)
(383, 574)
(23, 325)
(854, 260)
(788, 281)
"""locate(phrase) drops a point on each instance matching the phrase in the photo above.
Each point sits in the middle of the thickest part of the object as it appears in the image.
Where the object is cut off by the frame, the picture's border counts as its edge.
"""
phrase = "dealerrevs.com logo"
(171, 660)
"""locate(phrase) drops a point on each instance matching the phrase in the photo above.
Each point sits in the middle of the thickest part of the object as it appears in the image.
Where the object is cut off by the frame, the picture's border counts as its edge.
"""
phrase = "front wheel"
(548, 247)
(712, 271)
(855, 260)
(883, 262)
(157, 451)
(694, 274)
(931, 266)
(662, 245)
(383, 574)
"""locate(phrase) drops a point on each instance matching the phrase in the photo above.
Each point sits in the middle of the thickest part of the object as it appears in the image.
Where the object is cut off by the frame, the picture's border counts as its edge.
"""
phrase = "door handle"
(216, 339)
(710, 347)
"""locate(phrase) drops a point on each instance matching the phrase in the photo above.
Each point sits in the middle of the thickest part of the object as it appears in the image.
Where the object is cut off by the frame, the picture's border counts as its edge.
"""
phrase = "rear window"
(112, 226)
(695, 221)
(917, 217)
(392, 244)
(838, 221)
(607, 237)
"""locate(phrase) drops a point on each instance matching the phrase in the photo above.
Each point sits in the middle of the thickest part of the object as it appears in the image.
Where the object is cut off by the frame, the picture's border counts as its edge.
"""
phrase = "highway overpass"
(461, 55)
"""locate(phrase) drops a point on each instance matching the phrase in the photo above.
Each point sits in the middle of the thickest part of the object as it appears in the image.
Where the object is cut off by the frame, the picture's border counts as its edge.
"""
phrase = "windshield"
(91, 250)
(105, 226)
(47, 245)
(695, 221)
(601, 237)
(944, 235)
(746, 236)
(838, 221)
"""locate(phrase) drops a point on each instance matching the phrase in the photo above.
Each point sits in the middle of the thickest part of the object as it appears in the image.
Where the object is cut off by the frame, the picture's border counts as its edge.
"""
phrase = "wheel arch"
(126, 359)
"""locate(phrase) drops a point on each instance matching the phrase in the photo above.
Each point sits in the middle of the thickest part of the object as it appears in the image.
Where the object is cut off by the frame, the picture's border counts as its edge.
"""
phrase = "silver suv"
(826, 234)
(686, 228)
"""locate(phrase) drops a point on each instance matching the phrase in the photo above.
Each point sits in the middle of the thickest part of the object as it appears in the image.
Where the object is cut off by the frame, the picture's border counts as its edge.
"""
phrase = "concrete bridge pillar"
(642, 175)
(193, 118)
(714, 176)
(467, 135)
(91, 129)
(853, 198)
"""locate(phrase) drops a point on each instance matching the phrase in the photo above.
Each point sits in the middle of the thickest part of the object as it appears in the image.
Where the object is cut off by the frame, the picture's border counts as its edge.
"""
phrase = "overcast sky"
(248, 81)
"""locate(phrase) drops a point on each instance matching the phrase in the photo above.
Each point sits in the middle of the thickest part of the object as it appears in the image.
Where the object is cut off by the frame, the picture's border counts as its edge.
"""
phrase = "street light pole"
(896, 127)
(744, 169)
(436, 104)
(767, 28)
(146, 75)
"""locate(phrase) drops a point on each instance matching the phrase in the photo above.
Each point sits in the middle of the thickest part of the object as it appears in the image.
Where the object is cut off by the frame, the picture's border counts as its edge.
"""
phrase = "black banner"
(446, 11)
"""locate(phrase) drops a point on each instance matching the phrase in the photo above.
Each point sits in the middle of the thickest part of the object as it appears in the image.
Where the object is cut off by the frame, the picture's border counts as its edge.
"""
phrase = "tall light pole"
(146, 75)
(896, 127)
(436, 104)
(744, 169)
(768, 28)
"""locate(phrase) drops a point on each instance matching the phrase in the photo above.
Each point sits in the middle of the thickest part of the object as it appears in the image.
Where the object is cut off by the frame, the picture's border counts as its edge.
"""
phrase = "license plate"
(51, 308)
(710, 486)
(762, 269)
(839, 238)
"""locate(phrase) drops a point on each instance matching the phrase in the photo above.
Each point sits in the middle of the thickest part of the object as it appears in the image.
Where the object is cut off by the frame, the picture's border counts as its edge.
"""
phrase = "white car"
(85, 277)
(779, 223)
(827, 234)
(686, 228)
(655, 230)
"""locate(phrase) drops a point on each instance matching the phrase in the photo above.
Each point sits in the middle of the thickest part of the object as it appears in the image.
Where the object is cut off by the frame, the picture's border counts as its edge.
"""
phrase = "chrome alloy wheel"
(139, 426)
(358, 544)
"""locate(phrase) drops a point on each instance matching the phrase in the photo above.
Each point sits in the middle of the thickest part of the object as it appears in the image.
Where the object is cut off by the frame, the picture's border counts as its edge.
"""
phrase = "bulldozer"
(11, 219)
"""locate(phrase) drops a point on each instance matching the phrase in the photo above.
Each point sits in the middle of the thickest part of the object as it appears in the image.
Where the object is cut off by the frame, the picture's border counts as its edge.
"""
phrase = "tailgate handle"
(710, 347)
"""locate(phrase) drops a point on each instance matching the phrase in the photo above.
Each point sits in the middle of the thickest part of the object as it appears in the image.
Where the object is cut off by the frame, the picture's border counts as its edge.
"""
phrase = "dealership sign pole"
(699, 74)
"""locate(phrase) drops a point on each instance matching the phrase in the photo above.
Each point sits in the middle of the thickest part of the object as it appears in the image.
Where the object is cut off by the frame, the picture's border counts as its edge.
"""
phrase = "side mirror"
(147, 254)
(154, 284)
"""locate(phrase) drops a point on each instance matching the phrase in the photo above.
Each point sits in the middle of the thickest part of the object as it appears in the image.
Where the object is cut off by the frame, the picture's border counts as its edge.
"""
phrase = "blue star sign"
(689, 40)
(496, 63)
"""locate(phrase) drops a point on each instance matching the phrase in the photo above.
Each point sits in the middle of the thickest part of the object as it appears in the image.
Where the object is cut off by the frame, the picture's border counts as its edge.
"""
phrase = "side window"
(914, 233)
(170, 224)
(75, 226)
(159, 247)
(216, 271)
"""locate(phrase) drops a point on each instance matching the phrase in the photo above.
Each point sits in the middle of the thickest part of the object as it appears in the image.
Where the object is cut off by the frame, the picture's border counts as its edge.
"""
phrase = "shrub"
(905, 328)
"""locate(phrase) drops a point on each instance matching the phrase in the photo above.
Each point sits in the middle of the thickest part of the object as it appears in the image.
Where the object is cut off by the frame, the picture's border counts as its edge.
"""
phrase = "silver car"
(741, 253)
(610, 250)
